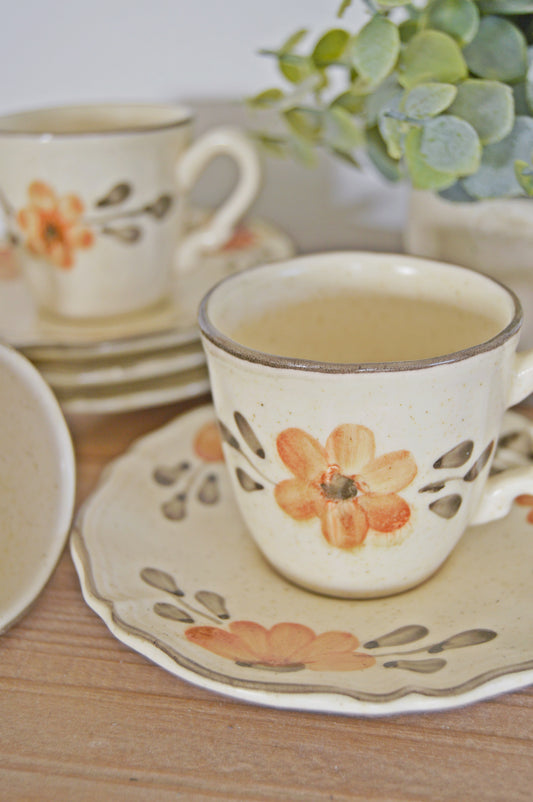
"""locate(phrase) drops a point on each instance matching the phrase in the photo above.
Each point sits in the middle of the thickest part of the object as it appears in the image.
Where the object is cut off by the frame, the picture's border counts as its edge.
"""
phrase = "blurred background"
(204, 54)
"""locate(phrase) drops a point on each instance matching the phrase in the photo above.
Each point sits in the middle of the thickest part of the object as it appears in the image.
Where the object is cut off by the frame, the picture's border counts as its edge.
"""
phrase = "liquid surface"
(365, 328)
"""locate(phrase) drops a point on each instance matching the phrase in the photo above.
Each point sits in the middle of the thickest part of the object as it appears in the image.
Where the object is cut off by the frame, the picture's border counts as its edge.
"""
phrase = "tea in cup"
(94, 201)
(360, 399)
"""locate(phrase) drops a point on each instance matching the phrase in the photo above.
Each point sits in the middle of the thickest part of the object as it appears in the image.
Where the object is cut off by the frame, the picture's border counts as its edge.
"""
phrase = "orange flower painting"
(283, 647)
(526, 500)
(52, 225)
(344, 485)
(208, 444)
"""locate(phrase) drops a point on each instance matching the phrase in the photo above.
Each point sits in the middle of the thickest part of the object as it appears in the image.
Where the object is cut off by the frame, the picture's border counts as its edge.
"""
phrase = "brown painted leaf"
(116, 195)
(456, 457)
(419, 666)
(399, 637)
(447, 506)
(126, 234)
(160, 207)
(471, 637)
(209, 491)
(169, 474)
(160, 580)
(166, 610)
(249, 435)
(214, 603)
(175, 509)
(246, 481)
(434, 487)
(227, 436)
(479, 464)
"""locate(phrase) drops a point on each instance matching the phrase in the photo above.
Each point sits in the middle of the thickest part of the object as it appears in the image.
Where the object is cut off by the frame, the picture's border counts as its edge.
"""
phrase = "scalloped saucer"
(164, 559)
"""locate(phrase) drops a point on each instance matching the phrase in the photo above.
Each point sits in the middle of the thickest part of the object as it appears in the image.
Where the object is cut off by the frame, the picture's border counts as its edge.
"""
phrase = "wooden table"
(82, 717)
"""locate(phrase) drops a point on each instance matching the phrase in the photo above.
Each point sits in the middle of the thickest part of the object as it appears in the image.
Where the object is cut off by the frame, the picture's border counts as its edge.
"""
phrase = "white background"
(203, 52)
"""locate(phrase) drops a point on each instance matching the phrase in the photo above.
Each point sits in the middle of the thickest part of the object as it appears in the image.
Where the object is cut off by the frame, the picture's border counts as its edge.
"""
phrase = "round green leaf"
(330, 47)
(266, 99)
(375, 50)
(458, 18)
(428, 100)
(295, 68)
(387, 95)
(450, 145)
(498, 51)
(392, 129)
(488, 106)
(293, 40)
(431, 56)
(524, 176)
(421, 174)
(496, 177)
(377, 152)
(341, 133)
(305, 123)
(353, 103)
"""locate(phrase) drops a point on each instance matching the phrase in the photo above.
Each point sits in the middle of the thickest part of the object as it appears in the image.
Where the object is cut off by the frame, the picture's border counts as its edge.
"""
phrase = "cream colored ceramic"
(37, 485)
(94, 199)
(164, 559)
(169, 324)
(102, 373)
(127, 396)
(494, 236)
(359, 480)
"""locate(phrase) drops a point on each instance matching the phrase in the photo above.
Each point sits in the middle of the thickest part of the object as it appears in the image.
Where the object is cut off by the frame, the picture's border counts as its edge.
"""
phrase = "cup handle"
(501, 490)
(221, 141)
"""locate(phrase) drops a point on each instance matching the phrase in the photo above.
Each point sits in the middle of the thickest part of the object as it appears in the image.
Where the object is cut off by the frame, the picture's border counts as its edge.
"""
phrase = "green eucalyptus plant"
(440, 92)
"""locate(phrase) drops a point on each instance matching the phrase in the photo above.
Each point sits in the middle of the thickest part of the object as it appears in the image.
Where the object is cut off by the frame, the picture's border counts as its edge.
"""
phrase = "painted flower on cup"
(283, 647)
(350, 490)
(53, 226)
(526, 500)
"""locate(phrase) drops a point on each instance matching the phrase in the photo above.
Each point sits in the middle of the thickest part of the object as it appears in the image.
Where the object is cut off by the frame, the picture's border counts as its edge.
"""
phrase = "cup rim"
(210, 332)
(183, 116)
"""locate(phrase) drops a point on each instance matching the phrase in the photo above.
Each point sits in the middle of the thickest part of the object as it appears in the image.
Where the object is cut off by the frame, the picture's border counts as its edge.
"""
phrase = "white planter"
(495, 237)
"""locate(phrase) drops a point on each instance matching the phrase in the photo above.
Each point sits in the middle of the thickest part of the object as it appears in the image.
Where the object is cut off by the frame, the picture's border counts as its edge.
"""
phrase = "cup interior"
(111, 118)
(236, 313)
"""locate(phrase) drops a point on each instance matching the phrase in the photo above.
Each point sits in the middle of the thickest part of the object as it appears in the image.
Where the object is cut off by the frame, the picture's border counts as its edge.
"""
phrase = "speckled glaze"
(417, 438)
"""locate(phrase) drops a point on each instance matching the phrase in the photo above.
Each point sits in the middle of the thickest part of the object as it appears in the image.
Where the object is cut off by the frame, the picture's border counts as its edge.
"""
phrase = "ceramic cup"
(357, 476)
(94, 199)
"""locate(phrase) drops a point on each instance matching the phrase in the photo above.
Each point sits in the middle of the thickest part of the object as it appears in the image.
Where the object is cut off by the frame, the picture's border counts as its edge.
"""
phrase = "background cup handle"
(221, 141)
(501, 490)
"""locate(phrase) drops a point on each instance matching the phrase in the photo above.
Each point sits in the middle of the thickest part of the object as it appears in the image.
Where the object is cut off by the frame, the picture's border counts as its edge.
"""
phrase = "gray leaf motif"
(129, 235)
(246, 481)
(166, 610)
(116, 195)
(479, 464)
(160, 207)
(447, 506)
(471, 637)
(209, 492)
(249, 435)
(214, 603)
(160, 580)
(227, 436)
(169, 474)
(418, 666)
(176, 508)
(456, 457)
(399, 637)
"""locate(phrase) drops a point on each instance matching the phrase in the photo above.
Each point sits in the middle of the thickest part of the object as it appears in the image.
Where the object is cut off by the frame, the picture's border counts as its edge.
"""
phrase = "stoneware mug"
(360, 399)
(94, 200)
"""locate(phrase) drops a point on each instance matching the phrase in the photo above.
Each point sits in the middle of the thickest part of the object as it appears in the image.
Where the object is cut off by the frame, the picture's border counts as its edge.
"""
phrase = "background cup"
(358, 480)
(94, 199)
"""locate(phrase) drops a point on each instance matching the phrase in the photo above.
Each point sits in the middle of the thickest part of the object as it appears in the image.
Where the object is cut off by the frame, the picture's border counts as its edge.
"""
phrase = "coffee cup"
(94, 200)
(360, 399)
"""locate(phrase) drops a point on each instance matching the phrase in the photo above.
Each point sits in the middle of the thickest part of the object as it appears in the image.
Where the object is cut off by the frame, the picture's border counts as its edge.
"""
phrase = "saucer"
(169, 323)
(128, 396)
(37, 485)
(164, 559)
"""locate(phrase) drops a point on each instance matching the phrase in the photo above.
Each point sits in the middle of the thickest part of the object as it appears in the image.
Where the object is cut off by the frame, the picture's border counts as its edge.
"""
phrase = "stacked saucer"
(132, 361)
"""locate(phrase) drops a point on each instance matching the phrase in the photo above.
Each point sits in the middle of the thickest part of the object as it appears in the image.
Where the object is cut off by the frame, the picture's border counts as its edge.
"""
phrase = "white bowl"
(37, 484)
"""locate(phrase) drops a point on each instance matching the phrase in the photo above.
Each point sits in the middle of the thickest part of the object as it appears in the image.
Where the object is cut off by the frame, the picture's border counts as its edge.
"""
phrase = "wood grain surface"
(82, 717)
